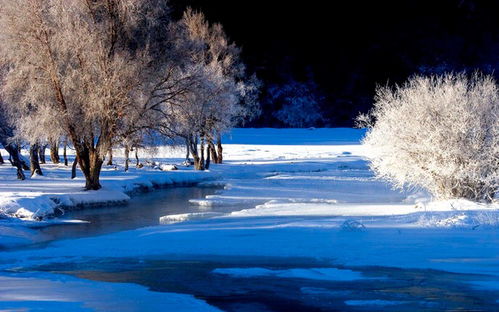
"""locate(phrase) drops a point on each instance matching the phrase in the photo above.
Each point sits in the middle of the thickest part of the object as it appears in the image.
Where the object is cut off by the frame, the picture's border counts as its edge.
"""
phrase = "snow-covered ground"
(305, 192)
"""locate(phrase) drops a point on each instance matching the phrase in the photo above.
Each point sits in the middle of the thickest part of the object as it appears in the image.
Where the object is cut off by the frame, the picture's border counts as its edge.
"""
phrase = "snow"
(41, 196)
(332, 208)
(316, 200)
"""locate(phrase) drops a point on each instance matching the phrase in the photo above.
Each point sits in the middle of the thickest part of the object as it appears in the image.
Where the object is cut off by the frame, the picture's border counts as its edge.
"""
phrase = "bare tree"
(440, 133)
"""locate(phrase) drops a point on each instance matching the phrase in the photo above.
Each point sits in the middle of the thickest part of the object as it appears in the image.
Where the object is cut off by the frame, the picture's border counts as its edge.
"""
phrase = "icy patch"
(182, 217)
(12, 236)
(376, 302)
(51, 292)
(326, 274)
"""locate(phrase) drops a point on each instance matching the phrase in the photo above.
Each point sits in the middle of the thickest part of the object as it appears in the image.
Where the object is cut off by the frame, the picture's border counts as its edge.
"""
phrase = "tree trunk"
(54, 152)
(137, 162)
(15, 159)
(65, 153)
(90, 162)
(92, 180)
(24, 162)
(33, 160)
(41, 153)
(198, 164)
(127, 156)
(188, 152)
(110, 155)
(208, 157)
(220, 149)
(213, 152)
(1, 160)
(201, 157)
(73, 168)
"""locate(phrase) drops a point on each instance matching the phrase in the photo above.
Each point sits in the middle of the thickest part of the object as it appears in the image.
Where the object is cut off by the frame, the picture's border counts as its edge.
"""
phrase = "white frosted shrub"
(439, 133)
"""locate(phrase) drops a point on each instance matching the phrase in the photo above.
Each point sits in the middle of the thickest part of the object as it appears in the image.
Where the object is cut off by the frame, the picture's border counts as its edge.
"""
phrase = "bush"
(440, 133)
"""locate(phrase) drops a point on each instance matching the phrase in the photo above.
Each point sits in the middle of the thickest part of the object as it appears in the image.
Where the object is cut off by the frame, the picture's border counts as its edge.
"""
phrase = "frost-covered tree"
(218, 93)
(300, 103)
(104, 73)
(440, 133)
(79, 66)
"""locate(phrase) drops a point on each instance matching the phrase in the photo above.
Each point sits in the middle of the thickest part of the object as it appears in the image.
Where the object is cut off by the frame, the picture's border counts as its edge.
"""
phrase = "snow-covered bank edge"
(29, 206)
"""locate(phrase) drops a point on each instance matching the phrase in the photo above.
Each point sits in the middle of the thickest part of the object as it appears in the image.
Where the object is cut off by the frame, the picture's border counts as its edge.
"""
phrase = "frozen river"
(231, 283)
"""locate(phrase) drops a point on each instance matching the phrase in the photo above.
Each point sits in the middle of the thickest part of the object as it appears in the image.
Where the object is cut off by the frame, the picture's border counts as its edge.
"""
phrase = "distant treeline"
(343, 49)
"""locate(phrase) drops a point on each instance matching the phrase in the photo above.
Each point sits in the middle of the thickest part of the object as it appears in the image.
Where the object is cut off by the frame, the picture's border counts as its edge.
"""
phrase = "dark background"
(349, 47)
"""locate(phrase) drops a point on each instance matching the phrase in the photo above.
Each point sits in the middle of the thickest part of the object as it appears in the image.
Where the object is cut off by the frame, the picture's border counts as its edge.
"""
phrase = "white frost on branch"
(440, 133)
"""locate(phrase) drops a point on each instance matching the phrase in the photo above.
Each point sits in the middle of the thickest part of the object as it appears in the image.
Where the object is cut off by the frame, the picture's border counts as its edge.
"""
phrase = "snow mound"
(168, 167)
